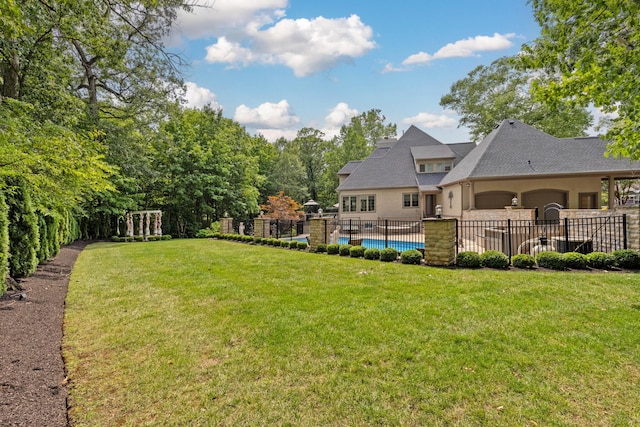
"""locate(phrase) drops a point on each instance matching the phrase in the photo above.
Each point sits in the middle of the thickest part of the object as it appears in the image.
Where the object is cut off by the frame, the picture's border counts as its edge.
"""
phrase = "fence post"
(566, 234)
(624, 230)
(386, 233)
(509, 238)
(318, 232)
(440, 241)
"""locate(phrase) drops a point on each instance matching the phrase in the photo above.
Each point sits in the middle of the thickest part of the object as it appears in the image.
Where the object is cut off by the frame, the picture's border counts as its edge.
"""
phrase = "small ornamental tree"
(282, 207)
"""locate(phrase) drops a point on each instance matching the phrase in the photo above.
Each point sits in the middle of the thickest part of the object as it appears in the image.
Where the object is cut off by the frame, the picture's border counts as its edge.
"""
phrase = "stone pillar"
(318, 232)
(633, 225)
(439, 241)
(141, 224)
(226, 225)
(147, 230)
(261, 227)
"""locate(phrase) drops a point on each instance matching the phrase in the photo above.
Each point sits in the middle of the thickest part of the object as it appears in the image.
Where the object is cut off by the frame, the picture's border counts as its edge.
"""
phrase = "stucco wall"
(389, 205)
(573, 185)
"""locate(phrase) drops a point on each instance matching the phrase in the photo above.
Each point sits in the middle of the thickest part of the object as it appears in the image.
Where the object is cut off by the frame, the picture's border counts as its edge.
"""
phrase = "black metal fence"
(282, 229)
(243, 226)
(400, 235)
(584, 235)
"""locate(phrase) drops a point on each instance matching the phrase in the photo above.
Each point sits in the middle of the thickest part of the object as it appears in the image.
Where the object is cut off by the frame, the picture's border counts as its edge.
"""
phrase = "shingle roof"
(515, 149)
(392, 167)
(432, 152)
(349, 167)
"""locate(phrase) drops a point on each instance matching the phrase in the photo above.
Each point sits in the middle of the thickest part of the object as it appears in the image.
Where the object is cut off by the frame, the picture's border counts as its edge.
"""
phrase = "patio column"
(612, 193)
(472, 195)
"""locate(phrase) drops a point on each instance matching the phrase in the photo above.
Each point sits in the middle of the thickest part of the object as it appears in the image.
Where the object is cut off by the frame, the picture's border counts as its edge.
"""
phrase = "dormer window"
(422, 168)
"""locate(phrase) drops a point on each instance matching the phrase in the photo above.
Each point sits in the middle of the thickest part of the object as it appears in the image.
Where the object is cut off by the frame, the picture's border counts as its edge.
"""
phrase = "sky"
(276, 66)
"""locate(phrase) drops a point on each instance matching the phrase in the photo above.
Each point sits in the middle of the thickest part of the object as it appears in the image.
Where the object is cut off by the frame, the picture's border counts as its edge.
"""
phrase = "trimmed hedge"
(357, 251)
(4, 243)
(494, 259)
(389, 255)
(345, 250)
(524, 261)
(552, 260)
(600, 260)
(627, 258)
(575, 260)
(24, 240)
(302, 245)
(411, 256)
(321, 248)
(333, 249)
(468, 259)
(372, 253)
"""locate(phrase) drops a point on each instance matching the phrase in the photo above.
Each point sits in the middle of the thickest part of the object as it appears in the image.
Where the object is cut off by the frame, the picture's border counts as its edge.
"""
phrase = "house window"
(410, 200)
(367, 203)
(447, 168)
(349, 204)
(430, 167)
(422, 168)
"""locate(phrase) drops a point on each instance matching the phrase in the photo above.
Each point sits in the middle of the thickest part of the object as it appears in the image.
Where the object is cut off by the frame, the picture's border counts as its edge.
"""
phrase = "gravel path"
(33, 386)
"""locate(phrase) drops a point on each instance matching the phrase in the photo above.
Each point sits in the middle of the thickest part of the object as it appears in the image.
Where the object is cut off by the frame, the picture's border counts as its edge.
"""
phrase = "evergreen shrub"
(411, 256)
(600, 260)
(372, 253)
(575, 260)
(321, 248)
(345, 250)
(333, 249)
(494, 259)
(524, 261)
(357, 251)
(388, 255)
(468, 259)
(552, 260)
(626, 258)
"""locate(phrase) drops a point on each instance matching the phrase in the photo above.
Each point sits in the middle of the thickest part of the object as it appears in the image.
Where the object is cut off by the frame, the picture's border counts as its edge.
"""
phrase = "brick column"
(226, 225)
(318, 232)
(261, 227)
(439, 241)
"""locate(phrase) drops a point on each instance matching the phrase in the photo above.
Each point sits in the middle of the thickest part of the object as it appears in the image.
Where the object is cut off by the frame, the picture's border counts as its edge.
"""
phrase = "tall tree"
(311, 149)
(594, 47)
(356, 141)
(490, 94)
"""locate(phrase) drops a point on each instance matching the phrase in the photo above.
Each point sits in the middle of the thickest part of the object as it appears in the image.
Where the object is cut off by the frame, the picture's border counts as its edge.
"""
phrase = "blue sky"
(276, 66)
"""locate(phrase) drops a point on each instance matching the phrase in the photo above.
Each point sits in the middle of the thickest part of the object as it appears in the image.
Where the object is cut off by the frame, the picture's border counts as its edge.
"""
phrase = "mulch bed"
(33, 382)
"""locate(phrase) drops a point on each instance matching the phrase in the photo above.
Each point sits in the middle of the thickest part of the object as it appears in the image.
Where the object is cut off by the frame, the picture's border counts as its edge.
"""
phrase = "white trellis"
(144, 227)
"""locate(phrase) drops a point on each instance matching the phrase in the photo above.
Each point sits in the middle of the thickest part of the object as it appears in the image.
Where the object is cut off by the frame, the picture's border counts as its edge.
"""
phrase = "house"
(408, 178)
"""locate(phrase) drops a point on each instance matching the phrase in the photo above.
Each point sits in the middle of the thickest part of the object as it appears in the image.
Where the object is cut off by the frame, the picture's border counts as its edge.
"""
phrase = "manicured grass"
(202, 332)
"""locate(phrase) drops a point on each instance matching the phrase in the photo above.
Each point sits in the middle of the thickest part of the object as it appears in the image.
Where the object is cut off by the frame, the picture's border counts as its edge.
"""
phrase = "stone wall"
(514, 214)
(439, 241)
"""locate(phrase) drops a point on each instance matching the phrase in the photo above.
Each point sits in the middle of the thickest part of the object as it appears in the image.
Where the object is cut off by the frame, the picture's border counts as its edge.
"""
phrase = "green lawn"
(203, 332)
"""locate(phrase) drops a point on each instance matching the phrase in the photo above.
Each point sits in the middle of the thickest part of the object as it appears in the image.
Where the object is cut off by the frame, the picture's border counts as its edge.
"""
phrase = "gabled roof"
(432, 152)
(514, 149)
(391, 167)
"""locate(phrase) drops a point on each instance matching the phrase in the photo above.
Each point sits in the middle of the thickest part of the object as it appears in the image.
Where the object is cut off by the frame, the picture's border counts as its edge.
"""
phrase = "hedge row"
(140, 238)
(28, 236)
(623, 258)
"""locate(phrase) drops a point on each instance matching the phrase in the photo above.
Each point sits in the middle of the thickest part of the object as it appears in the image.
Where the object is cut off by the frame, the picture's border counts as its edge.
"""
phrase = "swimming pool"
(399, 245)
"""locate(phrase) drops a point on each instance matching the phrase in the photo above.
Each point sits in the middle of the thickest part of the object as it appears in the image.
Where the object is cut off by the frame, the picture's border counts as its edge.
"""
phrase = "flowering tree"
(282, 207)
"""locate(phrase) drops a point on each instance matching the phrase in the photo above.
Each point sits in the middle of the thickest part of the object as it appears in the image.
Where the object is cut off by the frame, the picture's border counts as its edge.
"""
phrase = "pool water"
(399, 245)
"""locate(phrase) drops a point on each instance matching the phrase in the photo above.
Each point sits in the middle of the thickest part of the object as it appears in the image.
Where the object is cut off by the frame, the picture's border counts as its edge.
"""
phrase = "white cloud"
(390, 68)
(198, 97)
(430, 121)
(228, 52)
(272, 135)
(306, 46)
(464, 48)
(267, 116)
(214, 18)
(339, 115)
